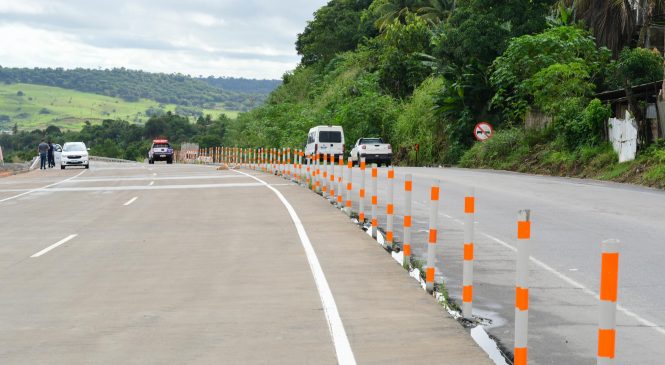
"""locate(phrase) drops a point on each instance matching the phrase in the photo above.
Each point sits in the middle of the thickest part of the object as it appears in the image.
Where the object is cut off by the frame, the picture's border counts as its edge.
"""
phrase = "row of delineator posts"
(322, 174)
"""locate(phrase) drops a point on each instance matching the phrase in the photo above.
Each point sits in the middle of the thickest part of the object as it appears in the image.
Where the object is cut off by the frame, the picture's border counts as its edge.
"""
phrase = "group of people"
(46, 154)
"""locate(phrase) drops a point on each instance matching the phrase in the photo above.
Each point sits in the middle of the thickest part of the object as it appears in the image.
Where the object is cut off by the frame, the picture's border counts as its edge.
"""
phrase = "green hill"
(36, 106)
(130, 85)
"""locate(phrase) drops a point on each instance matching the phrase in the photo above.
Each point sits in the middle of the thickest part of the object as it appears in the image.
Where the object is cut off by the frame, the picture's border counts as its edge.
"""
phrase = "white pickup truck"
(373, 150)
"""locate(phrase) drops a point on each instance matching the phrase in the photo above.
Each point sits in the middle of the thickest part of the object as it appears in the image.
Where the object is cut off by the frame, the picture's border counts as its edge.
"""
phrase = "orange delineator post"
(406, 248)
(609, 284)
(522, 288)
(467, 275)
(324, 188)
(340, 183)
(375, 200)
(361, 193)
(349, 187)
(431, 247)
(332, 178)
(390, 207)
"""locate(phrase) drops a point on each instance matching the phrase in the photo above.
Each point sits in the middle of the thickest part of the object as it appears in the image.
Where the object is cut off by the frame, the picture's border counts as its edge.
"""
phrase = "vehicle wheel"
(62, 167)
(151, 162)
(169, 161)
(87, 166)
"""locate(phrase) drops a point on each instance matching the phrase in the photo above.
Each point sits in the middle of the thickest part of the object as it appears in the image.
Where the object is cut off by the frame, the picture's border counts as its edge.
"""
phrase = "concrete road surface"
(175, 264)
(570, 219)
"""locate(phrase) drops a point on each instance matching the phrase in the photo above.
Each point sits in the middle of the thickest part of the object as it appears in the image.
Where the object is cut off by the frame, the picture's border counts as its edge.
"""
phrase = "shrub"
(635, 66)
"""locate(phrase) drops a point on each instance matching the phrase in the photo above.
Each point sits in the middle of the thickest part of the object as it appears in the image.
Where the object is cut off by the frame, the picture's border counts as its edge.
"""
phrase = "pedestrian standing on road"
(51, 154)
(43, 152)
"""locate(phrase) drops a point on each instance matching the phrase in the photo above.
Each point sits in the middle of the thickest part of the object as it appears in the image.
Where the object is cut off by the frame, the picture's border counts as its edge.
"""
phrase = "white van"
(325, 139)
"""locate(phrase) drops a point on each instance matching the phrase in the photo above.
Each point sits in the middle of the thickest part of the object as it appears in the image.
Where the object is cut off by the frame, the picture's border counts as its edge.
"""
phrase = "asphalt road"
(177, 264)
(570, 219)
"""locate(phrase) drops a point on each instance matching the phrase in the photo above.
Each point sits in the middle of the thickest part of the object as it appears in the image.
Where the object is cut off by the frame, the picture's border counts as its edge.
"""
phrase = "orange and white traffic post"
(324, 176)
(609, 284)
(375, 200)
(522, 287)
(361, 193)
(467, 275)
(406, 225)
(349, 187)
(340, 183)
(431, 246)
(317, 172)
(331, 197)
(390, 207)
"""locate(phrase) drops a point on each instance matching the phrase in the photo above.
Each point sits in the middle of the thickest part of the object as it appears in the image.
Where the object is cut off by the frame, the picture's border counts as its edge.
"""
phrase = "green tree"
(335, 29)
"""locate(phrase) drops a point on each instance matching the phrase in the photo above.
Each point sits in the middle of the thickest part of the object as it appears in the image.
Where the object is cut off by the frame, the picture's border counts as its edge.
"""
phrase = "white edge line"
(49, 248)
(335, 325)
(131, 201)
(578, 285)
(42, 188)
(151, 183)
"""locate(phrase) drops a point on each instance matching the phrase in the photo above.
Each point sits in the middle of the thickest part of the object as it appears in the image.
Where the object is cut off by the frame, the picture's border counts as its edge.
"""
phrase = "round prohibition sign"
(483, 131)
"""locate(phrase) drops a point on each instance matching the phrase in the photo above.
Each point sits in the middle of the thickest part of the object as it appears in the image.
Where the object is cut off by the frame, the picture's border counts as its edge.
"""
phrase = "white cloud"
(249, 38)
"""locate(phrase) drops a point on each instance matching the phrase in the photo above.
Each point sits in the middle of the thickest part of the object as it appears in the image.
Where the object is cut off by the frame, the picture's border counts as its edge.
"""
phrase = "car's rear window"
(161, 145)
(330, 136)
(371, 141)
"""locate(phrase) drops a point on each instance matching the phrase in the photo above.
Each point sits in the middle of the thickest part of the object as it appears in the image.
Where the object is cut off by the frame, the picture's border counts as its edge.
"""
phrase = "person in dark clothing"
(43, 152)
(51, 155)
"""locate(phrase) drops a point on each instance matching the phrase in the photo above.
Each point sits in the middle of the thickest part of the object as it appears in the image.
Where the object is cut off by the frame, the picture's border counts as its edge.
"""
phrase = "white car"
(374, 150)
(74, 154)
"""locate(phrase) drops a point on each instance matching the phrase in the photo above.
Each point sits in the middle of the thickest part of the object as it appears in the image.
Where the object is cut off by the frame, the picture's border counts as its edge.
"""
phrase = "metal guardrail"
(109, 159)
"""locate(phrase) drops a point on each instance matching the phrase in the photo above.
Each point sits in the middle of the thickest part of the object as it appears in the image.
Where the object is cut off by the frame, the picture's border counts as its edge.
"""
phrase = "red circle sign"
(483, 131)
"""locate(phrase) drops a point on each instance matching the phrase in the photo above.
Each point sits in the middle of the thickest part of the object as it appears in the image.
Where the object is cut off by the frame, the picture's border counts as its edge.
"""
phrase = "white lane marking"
(42, 188)
(154, 173)
(49, 248)
(156, 187)
(151, 178)
(151, 183)
(335, 325)
(131, 201)
(580, 286)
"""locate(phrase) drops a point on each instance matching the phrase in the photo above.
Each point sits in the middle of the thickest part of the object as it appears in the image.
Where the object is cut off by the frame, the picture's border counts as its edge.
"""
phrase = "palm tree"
(437, 11)
(612, 22)
(391, 10)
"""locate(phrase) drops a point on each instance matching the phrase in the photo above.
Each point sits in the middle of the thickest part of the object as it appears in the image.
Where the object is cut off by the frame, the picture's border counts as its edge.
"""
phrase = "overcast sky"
(248, 38)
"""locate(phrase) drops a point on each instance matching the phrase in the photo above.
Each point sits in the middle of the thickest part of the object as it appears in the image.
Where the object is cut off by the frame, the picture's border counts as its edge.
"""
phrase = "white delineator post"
(361, 193)
(375, 200)
(349, 187)
(406, 248)
(609, 283)
(390, 207)
(522, 288)
(467, 277)
(431, 246)
(317, 173)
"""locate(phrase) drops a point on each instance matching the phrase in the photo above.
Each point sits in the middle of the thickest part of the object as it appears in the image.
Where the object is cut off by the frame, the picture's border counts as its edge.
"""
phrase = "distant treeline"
(243, 85)
(119, 138)
(131, 85)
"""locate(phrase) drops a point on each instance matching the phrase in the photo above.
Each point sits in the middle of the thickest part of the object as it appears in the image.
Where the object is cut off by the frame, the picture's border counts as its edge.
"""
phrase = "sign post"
(483, 131)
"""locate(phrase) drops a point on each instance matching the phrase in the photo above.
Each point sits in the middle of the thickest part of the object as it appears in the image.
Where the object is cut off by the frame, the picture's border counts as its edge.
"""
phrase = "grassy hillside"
(133, 85)
(36, 106)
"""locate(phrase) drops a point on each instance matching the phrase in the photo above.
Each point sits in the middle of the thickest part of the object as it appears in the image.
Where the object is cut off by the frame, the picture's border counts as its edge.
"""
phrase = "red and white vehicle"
(374, 150)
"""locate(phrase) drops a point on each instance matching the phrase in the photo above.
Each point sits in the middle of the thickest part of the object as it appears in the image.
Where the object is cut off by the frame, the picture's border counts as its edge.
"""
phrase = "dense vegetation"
(130, 85)
(426, 71)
